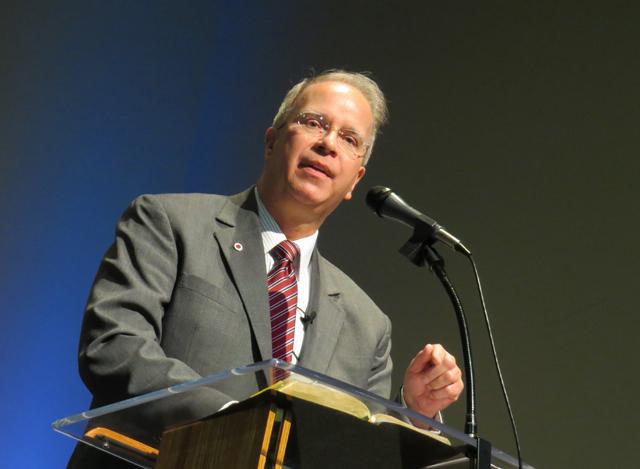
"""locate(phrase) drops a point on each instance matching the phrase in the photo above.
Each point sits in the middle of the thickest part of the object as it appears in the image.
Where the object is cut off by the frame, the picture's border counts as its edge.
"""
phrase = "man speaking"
(195, 283)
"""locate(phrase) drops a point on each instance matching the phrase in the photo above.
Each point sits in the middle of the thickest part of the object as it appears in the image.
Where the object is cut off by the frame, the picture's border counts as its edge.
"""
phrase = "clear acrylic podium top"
(132, 429)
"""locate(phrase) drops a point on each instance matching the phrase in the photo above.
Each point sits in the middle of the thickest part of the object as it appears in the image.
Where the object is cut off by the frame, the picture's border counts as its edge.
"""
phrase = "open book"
(327, 396)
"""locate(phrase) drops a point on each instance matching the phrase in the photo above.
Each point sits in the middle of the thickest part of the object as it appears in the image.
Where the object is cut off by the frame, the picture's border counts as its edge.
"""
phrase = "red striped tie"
(283, 298)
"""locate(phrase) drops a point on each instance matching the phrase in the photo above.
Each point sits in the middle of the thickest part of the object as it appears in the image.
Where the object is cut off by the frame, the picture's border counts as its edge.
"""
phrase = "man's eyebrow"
(313, 112)
(351, 129)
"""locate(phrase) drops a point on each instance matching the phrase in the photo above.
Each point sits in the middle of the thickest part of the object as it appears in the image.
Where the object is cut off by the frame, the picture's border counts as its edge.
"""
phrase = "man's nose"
(328, 143)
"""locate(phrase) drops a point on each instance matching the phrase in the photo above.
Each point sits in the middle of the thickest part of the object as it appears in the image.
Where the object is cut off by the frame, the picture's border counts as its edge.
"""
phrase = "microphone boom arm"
(419, 250)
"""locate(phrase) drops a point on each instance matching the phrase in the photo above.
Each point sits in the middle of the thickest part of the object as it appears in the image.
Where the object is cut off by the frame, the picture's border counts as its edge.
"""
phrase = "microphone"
(387, 204)
(307, 319)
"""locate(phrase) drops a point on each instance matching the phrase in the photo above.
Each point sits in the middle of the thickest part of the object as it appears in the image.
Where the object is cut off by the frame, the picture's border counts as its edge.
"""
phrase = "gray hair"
(360, 81)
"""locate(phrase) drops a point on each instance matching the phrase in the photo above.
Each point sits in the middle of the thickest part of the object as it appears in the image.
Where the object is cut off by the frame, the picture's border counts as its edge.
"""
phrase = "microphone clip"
(418, 249)
(307, 319)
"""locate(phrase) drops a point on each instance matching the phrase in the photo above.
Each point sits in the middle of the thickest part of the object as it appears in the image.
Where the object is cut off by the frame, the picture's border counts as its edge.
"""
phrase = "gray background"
(514, 127)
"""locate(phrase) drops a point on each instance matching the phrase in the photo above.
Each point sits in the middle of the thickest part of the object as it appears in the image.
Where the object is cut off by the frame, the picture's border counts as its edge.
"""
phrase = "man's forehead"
(324, 91)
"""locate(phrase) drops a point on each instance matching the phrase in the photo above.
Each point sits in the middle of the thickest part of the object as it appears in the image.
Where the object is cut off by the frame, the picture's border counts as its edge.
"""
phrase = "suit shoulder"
(179, 207)
(181, 201)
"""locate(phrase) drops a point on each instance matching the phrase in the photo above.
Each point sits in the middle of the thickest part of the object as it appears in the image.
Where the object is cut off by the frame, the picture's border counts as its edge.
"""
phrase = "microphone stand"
(420, 251)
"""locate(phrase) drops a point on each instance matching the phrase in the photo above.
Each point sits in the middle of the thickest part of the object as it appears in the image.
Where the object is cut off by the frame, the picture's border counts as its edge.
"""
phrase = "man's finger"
(449, 393)
(446, 378)
(438, 355)
(446, 363)
(421, 360)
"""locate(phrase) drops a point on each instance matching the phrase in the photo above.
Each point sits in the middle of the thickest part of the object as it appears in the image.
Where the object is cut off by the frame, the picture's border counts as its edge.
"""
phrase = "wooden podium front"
(275, 430)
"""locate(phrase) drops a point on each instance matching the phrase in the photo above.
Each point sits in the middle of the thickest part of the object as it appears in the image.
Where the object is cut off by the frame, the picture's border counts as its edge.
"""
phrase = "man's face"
(313, 170)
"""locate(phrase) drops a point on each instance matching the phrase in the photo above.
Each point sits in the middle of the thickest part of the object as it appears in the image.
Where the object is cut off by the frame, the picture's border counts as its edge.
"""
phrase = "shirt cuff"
(437, 418)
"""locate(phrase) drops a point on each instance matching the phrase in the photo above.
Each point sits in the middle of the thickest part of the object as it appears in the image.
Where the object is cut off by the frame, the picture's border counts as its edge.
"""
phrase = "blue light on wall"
(105, 101)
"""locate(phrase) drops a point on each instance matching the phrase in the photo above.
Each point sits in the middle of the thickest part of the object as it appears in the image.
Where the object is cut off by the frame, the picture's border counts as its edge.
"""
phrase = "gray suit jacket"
(174, 301)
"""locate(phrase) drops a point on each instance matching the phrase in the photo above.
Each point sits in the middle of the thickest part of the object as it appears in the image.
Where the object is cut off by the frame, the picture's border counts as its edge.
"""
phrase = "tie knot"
(285, 250)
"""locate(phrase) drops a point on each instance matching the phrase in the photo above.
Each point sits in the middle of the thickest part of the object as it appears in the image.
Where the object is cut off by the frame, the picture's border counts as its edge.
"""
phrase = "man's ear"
(359, 176)
(269, 140)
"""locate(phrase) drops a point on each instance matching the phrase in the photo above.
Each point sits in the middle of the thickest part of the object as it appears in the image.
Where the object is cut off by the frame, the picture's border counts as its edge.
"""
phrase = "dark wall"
(511, 123)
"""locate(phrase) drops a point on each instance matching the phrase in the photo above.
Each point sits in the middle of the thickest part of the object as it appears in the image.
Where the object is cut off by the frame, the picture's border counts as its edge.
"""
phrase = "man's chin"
(311, 196)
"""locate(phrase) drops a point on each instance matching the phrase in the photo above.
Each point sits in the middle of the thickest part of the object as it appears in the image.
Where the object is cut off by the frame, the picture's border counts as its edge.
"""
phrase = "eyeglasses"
(349, 141)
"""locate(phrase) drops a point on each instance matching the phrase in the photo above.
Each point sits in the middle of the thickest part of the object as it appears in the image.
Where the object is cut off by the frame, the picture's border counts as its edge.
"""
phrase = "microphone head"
(376, 197)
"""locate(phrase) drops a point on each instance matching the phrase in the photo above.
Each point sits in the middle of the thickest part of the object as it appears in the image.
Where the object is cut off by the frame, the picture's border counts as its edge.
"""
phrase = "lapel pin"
(238, 247)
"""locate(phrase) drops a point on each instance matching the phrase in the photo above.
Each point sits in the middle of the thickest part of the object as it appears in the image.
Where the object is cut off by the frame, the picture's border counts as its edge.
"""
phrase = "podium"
(241, 419)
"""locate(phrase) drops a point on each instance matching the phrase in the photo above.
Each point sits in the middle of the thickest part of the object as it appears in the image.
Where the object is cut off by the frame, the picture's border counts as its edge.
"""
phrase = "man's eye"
(351, 140)
(313, 123)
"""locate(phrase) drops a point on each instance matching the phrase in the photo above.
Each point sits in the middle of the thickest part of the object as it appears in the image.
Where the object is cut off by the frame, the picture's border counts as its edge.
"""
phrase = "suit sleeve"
(380, 378)
(120, 354)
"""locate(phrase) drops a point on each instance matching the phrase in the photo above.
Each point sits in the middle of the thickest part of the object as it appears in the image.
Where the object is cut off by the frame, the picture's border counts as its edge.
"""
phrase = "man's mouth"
(317, 166)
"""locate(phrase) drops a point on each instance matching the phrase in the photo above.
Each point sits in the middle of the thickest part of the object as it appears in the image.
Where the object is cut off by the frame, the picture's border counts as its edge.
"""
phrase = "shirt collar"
(272, 235)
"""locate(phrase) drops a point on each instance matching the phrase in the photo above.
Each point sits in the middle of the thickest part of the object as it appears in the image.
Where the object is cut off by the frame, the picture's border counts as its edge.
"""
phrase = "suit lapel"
(238, 223)
(321, 337)
(240, 242)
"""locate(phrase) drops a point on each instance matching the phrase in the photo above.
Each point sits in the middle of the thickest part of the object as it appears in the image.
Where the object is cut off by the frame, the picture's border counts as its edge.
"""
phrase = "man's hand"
(432, 381)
